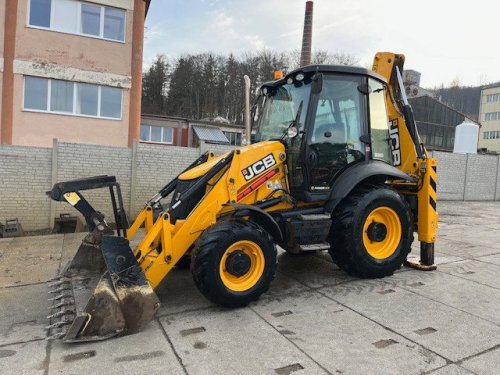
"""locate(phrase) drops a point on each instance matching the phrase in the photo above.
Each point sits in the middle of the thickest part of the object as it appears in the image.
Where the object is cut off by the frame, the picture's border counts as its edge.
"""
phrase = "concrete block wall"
(468, 177)
(451, 175)
(27, 172)
(76, 161)
(25, 176)
(481, 178)
(155, 166)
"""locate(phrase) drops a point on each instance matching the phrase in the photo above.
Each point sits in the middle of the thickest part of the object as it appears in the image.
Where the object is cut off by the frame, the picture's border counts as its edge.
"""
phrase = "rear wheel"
(233, 263)
(371, 232)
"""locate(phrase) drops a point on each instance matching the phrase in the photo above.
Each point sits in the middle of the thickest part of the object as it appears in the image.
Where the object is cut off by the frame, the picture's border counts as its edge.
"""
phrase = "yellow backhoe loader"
(336, 165)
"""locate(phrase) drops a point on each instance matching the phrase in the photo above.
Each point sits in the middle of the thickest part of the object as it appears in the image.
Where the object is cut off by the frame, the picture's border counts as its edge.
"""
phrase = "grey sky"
(442, 39)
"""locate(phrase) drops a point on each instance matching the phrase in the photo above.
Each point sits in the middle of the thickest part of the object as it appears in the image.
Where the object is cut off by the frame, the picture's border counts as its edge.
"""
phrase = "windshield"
(280, 106)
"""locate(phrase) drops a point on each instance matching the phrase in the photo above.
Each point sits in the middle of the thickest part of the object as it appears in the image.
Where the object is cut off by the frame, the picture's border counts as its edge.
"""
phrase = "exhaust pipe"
(248, 129)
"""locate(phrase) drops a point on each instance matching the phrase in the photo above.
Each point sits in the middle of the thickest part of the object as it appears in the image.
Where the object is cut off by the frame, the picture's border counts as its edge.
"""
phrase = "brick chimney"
(305, 55)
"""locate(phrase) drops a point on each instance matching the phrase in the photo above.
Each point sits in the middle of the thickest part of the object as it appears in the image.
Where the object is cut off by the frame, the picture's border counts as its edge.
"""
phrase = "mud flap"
(117, 302)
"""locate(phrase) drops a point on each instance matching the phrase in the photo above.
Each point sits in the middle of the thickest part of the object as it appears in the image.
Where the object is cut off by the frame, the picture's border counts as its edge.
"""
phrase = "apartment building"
(71, 70)
(489, 115)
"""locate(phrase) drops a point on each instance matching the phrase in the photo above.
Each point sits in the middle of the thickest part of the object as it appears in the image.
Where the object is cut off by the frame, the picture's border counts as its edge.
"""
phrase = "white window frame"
(495, 134)
(492, 116)
(79, 21)
(493, 97)
(161, 136)
(230, 135)
(73, 113)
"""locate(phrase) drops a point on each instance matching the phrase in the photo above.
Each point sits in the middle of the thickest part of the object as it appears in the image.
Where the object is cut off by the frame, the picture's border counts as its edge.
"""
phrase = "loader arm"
(169, 237)
(410, 155)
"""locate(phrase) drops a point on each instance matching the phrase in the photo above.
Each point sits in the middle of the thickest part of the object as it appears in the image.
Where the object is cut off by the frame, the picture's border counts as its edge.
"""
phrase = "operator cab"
(329, 118)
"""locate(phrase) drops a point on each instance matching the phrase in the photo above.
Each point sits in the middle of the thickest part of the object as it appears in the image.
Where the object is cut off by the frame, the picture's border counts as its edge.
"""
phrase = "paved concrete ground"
(314, 320)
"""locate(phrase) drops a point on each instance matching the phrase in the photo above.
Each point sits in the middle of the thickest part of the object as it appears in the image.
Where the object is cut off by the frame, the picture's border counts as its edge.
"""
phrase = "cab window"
(381, 147)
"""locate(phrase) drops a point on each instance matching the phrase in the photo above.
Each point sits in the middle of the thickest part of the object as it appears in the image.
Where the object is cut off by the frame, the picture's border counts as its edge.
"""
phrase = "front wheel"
(371, 232)
(233, 263)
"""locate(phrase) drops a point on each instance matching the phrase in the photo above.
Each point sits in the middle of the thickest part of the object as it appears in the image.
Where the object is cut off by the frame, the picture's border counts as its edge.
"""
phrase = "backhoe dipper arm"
(409, 154)
(407, 150)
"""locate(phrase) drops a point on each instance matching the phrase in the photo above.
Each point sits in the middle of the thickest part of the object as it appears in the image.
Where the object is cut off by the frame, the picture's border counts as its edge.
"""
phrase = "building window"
(91, 19)
(492, 116)
(234, 138)
(36, 93)
(73, 98)
(78, 17)
(87, 98)
(61, 96)
(157, 134)
(491, 135)
(40, 13)
(493, 98)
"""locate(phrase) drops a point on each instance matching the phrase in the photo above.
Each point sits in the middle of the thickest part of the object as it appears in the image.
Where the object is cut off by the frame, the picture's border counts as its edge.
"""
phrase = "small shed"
(209, 134)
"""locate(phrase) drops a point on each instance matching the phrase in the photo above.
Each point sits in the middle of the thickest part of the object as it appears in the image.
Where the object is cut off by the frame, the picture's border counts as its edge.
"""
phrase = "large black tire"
(210, 257)
(355, 245)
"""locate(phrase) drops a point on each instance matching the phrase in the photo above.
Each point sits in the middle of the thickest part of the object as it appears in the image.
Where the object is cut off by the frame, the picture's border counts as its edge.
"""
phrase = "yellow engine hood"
(201, 169)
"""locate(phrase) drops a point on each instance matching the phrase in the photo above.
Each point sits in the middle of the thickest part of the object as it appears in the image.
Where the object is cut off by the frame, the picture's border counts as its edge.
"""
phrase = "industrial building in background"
(71, 70)
(436, 121)
(489, 115)
(411, 79)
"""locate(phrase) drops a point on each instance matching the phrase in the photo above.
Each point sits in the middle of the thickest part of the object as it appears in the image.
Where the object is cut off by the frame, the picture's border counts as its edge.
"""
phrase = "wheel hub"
(238, 263)
(377, 232)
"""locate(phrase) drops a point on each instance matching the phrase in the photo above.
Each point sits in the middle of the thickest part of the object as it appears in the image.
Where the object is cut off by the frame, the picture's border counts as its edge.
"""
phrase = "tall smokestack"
(305, 55)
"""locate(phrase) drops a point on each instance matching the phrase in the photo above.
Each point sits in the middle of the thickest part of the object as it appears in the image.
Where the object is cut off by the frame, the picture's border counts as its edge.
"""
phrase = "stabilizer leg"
(426, 258)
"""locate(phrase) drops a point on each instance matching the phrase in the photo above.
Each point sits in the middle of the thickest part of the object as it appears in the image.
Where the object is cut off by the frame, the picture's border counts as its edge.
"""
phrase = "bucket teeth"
(59, 297)
(61, 313)
(59, 290)
(59, 324)
(61, 304)
(58, 282)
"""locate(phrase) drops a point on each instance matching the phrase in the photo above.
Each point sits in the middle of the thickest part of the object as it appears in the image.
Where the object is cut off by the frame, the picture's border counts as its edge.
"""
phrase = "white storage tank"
(466, 137)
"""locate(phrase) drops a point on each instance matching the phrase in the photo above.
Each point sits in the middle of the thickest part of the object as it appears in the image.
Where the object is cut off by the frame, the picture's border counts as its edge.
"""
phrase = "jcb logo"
(395, 144)
(258, 167)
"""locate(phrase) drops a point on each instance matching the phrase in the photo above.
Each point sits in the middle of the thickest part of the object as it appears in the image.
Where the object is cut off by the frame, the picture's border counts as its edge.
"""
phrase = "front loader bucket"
(102, 293)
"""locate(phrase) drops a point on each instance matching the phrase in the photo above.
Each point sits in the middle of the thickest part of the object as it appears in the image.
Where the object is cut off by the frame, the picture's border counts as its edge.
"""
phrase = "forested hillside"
(462, 98)
(208, 85)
